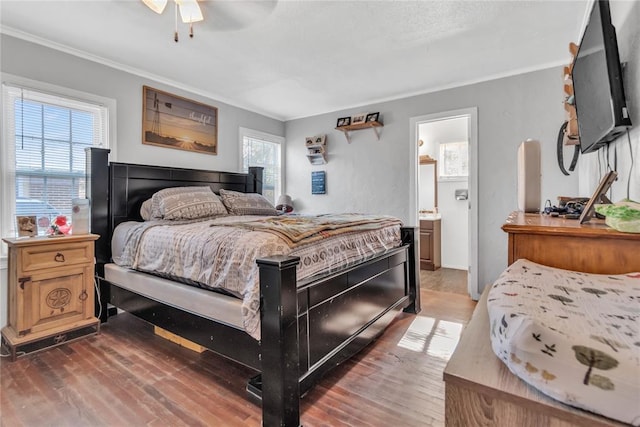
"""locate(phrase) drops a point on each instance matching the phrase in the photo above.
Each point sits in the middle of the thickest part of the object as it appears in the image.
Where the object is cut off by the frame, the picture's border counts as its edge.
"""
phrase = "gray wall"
(374, 176)
(47, 65)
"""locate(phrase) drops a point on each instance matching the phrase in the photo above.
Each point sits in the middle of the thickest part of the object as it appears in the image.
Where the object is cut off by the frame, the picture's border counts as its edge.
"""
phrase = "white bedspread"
(574, 336)
(224, 257)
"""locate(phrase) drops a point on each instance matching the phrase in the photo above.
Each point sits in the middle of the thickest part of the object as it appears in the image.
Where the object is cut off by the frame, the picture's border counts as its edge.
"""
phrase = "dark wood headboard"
(117, 190)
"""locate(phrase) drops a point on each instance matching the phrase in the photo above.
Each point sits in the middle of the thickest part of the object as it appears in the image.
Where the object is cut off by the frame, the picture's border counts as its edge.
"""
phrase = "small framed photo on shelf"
(372, 117)
(359, 118)
(313, 141)
(343, 121)
(27, 226)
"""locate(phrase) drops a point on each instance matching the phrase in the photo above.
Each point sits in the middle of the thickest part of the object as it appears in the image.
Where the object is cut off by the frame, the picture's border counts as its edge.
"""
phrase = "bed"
(307, 326)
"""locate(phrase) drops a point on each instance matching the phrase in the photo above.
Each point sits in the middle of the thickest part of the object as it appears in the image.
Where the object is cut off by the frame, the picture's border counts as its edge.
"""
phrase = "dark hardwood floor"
(445, 280)
(127, 376)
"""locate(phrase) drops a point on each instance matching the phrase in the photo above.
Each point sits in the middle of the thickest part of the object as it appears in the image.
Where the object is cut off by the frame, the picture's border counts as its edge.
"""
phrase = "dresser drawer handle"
(83, 295)
(23, 280)
(59, 257)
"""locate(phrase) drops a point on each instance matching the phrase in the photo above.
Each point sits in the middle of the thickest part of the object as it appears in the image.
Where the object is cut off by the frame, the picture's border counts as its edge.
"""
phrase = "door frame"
(472, 115)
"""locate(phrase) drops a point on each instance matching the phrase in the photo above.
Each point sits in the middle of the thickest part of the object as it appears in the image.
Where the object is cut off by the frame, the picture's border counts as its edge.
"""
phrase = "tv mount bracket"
(560, 147)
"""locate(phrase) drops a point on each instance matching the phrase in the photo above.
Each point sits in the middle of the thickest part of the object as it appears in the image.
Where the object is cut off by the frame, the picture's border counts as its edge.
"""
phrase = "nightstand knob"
(83, 295)
(59, 257)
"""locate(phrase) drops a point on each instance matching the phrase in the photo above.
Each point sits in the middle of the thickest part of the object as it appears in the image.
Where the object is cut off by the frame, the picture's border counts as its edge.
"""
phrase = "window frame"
(264, 136)
(43, 92)
(442, 163)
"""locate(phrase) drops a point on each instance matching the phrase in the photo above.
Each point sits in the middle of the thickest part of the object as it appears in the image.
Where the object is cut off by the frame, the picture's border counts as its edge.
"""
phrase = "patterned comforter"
(221, 253)
(574, 336)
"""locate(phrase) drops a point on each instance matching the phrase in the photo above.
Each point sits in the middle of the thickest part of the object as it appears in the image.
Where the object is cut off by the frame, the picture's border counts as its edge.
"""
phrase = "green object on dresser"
(623, 216)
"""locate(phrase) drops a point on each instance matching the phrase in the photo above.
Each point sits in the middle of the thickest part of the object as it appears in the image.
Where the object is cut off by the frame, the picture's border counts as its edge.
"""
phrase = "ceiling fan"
(189, 12)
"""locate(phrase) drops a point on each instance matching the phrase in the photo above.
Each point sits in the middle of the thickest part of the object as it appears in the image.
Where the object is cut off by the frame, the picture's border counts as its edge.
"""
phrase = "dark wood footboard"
(309, 328)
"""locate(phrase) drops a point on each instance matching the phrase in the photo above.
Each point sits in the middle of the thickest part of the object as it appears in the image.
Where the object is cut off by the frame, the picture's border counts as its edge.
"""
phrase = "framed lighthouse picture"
(172, 121)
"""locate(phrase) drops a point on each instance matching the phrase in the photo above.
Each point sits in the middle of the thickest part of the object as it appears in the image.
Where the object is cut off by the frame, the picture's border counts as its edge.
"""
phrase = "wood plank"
(178, 340)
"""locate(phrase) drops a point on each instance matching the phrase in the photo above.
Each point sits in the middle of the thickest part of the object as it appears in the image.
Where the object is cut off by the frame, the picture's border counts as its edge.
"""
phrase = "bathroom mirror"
(428, 185)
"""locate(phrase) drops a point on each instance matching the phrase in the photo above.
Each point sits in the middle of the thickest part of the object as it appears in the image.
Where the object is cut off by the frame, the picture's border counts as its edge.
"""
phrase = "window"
(453, 163)
(43, 150)
(262, 149)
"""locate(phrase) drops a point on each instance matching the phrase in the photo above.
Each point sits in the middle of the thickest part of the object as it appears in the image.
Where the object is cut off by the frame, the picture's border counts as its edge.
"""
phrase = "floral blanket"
(573, 336)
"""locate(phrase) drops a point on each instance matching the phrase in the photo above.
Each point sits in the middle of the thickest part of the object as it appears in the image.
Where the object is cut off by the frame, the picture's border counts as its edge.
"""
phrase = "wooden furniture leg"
(279, 341)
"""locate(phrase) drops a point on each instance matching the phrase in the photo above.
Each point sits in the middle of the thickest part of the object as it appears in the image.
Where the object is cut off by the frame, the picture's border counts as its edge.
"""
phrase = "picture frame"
(359, 118)
(318, 182)
(598, 196)
(26, 225)
(172, 121)
(312, 141)
(372, 117)
(343, 121)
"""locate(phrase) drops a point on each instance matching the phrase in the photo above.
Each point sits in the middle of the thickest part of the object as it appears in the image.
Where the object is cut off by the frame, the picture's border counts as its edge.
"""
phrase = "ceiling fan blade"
(156, 5)
(190, 11)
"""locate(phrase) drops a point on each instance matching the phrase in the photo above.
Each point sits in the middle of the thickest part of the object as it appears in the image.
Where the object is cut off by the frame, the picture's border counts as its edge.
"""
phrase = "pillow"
(186, 203)
(246, 203)
(145, 210)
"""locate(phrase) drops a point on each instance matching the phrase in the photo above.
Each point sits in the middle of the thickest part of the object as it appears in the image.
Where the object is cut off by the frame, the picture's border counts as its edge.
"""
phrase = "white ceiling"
(291, 59)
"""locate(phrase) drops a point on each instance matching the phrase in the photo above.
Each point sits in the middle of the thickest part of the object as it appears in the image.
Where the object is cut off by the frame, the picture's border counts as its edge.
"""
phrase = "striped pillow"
(186, 203)
(246, 203)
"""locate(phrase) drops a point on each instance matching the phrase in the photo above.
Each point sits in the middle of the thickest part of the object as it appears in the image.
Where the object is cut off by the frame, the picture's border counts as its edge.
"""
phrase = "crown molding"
(128, 69)
(454, 85)
(179, 85)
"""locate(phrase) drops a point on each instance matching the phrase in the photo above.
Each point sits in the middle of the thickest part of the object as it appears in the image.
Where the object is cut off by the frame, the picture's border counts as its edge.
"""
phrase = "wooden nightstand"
(51, 294)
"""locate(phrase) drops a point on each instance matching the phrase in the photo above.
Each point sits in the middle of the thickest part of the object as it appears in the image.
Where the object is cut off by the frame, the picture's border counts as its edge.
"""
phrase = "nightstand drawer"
(52, 256)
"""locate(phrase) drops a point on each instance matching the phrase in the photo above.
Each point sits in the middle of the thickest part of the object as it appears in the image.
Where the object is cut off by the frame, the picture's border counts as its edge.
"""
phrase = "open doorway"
(445, 200)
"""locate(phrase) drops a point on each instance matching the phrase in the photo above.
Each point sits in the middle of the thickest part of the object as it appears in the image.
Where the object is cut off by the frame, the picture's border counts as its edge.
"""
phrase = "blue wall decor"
(318, 182)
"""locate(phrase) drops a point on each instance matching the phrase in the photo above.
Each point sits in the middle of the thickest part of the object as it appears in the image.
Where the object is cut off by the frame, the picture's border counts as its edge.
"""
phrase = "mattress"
(573, 336)
(201, 302)
(221, 253)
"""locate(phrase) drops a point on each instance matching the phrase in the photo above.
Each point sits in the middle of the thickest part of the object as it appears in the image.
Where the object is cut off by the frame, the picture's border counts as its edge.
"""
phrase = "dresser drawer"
(52, 256)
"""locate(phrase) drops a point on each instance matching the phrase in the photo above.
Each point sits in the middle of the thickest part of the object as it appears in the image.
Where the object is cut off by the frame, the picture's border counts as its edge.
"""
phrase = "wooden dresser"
(592, 247)
(479, 388)
(51, 293)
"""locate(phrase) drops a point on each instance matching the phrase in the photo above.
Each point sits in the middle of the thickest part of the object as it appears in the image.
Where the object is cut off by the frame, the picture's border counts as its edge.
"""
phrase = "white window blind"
(261, 149)
(43, 151)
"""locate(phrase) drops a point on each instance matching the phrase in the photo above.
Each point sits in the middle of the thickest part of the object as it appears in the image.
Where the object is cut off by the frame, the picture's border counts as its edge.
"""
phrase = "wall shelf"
(367, 125)
(316, 149)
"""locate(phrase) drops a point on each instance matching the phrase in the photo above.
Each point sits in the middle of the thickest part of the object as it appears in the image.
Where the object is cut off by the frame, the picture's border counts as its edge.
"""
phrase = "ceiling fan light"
(190, 11)
(156, 5)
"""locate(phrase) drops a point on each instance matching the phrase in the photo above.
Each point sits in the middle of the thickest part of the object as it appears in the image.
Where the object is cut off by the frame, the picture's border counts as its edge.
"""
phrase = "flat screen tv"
(597, 82)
